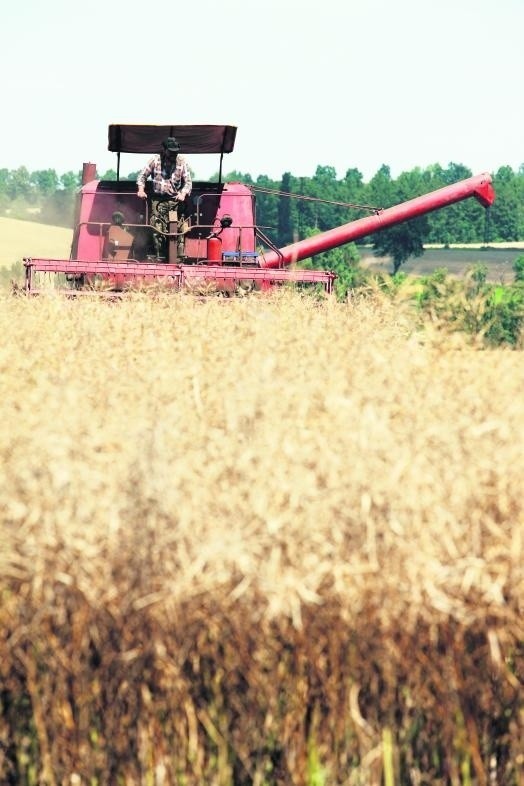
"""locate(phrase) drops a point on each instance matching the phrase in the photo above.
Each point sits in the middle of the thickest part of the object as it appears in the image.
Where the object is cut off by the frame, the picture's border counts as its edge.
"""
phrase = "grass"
(260, 541)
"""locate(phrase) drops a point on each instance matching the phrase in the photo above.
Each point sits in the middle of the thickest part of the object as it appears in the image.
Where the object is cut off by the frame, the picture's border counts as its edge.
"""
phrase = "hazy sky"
(340, 83)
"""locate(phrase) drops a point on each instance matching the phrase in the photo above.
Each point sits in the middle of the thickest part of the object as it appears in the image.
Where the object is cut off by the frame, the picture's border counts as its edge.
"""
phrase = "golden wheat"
(245, 541)
(19, 239)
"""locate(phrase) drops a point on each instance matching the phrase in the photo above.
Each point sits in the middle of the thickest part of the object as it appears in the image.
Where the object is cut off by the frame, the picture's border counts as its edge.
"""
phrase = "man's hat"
(171, 144)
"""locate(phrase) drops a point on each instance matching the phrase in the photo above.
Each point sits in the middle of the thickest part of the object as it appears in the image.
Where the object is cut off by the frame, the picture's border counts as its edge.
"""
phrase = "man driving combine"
(172, 184)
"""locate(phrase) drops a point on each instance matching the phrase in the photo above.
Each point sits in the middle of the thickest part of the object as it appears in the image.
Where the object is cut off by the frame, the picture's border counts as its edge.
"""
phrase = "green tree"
(324, 188)
(462, 222)
(353, 184)
(505, 213)
(285, 227)
(382, 191)
(235, 177)
(305, 209)
(518, 267)
(70, 181)
(45, 181)
(267, 205)
(109, 174)
(4, 180)
(19, 184)
(402, 241)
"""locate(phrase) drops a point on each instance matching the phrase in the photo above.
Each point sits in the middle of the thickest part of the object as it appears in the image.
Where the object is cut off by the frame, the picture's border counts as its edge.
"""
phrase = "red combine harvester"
(223, 247)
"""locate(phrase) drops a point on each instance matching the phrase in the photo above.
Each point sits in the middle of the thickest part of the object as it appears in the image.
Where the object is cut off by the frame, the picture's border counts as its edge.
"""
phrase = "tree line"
(295, 207)
(332, 201)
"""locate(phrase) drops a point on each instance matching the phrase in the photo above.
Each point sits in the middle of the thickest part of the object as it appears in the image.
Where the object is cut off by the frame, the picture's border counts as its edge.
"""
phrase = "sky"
(342, 83)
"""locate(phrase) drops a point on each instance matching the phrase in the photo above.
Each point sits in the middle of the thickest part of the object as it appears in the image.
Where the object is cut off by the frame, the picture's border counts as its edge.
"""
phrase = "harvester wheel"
(75, 281)
(245, 287)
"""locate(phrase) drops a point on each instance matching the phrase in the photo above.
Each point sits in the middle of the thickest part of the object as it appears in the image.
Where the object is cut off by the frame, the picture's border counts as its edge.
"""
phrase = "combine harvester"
(223, 247)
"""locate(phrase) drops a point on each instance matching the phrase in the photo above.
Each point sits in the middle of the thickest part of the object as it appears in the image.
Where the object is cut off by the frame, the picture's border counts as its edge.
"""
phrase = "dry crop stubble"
(235, 533)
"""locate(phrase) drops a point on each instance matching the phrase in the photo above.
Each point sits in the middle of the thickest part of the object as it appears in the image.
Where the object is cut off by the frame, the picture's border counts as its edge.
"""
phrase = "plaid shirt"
(167, 179)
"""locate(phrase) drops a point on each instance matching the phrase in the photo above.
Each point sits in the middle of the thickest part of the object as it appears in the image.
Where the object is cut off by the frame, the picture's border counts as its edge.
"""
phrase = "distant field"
(19, 239)
(457, 259)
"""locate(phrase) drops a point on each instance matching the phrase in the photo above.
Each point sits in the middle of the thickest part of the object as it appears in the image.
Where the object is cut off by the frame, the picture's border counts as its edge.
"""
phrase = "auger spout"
(479, 186)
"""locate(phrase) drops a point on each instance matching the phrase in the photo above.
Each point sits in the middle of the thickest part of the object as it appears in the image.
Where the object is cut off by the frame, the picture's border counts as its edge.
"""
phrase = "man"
(172, 186)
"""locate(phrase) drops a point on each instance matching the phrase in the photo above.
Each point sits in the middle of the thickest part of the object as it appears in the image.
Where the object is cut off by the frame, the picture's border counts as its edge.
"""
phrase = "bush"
(491, 313)
(518, 267)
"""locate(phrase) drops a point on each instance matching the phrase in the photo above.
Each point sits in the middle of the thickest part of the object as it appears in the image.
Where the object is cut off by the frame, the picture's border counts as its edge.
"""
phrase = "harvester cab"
(114, 224)
(216, 241)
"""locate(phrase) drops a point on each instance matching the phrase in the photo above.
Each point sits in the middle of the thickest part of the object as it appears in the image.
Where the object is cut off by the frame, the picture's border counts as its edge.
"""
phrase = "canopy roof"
(192, 139)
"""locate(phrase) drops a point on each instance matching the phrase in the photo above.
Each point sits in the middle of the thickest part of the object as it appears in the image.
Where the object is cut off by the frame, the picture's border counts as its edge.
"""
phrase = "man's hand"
(141, 192)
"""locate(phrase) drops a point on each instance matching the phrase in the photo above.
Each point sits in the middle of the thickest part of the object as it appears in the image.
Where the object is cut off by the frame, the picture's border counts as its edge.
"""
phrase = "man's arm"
(187, 183)
(142, 177)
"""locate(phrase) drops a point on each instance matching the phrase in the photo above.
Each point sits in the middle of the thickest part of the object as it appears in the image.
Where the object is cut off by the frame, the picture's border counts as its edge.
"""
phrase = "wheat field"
(19, 239)
(269, 540)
